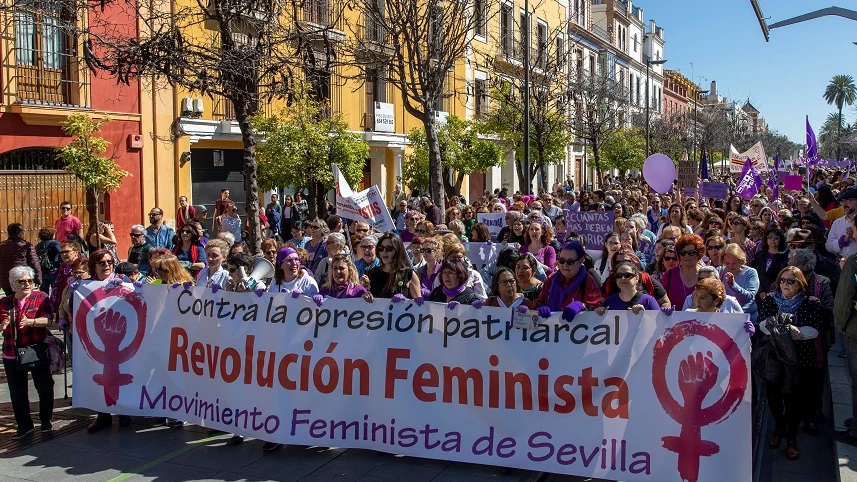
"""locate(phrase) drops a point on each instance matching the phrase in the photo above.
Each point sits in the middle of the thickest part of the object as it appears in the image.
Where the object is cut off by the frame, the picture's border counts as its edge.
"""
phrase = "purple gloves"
(424, 292)
(175, 285)
(522, 309)
(138, 284)
(297, 292)
(749, 328)
(63, 324)
(572, 310)
(478, 304)
(187, 284)
(452, 305)
(319, 300)
(115, 281)
(397, 298)
(215, 287)
(668, 311)
(544, 311)
(259, 292)
(419, 301)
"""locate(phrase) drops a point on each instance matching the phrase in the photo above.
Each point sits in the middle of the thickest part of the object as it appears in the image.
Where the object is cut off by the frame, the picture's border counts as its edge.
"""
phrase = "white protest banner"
(713, 190)
(755, 153)
(622, 396)
(494, 221)
(592, 225)
(367, 206)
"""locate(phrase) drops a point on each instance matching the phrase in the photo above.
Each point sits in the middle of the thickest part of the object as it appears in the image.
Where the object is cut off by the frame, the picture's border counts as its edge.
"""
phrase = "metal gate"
(32, 188)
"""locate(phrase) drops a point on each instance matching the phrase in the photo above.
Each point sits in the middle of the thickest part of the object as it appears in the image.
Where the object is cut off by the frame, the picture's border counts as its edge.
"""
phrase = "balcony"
(314, 21)
(374, 40)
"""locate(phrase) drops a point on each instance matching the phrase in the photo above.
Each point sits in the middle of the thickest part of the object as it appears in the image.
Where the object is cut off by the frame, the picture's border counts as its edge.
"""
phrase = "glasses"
(795, 246)
(787, 281)
(568, 261)
(155, 214)
(133, 235)
(625, 275)
(105, 262)
(367, 247)
(427, 250)
(273, 251)
(386, 249)
(689, 253)
(362, 230)
(506, 281)
(292, 261)
(420, 231)
(670, 258)
(27, 281)
(715, 247)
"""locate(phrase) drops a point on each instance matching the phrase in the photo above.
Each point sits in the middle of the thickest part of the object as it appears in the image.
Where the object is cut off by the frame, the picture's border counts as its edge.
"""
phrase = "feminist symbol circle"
(111, 327)
(697, 376)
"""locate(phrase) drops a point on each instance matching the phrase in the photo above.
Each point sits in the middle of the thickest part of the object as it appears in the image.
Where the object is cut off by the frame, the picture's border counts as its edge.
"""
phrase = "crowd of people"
(787, 262)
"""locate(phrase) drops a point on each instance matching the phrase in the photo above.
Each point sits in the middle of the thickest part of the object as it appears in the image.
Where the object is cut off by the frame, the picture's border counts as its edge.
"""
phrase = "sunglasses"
(65, 209)
(23, 282)
(625, 275)
(670, 258)
(420, 231)
(363, 230)
(506, 282)
(788, 281)
(134, 235)
(154, 214)
(795, 246)
(689, 253)
(568, 261)
(714, 247)
(367, 247)
(273, 251)
(386, 249)
(427, 250)
(105, 262)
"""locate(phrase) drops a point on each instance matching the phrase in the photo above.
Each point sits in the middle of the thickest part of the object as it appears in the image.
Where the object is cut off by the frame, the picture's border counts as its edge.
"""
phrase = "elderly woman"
(728, 304)
(215, 273)
(739, 228)
(819, 286)
(715, 246)
(537, 241)
(505, 292)
(333, 245)
(771, 257)
(507, 234)
(24, 318)
(792, 399)
(316, 246)
(670, 233)
(740, 280)
(342, 282)
(394, 276)
(681, 280)
(270, 247)
(571, 282)
(425, 228)
(412, 218)
(290, 276)
(629, 297)
(430, 270)
(525, 272)
(453, 288)
(455, 251)
(368, 255)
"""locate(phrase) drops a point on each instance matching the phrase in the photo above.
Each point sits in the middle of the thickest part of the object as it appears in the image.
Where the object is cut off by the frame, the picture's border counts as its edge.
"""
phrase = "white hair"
(501, 205)
(138, 228)
(18, 272)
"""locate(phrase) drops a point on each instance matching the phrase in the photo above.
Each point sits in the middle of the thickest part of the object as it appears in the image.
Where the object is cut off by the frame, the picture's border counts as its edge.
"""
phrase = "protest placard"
(367, 205)
(688, 173)
(592, 225)
(460, 384)
(713, 190)
(494, 221)
(793, 182)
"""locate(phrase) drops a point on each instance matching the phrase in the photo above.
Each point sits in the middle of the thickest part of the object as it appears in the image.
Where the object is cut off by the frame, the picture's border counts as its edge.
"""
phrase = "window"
(638, 90)
(319, 81)
(591, 65)
(317, 11)
(525, 35)
(375, 21)
(560, 51)
(480, 14)
(480, 94)
(506, 30)
(376, 84)
(636, 42)
(542, 42)
(436, 31)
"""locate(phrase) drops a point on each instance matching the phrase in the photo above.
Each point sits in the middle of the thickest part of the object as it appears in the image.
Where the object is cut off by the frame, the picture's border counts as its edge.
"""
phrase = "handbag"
(28, 357)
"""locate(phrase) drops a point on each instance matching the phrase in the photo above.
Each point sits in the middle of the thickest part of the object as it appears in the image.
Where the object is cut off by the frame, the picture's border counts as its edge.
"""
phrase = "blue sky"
(784, 78)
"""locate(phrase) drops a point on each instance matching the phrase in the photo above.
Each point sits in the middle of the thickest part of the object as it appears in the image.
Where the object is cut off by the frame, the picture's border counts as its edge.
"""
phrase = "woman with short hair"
(333, 245)
(24, 319)
(709, 296)
(453, 288)
(681, 280)
(791, 399)
(290, 276)
(629, 297)
(740, 280)
(215, 273)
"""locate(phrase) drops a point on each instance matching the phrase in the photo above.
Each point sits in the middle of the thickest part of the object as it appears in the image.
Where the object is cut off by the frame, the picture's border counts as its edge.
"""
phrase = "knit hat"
(283, 254)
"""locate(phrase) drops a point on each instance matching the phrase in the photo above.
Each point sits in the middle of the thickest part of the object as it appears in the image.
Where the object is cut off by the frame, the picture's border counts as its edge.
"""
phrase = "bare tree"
(600, 105)
(418, 43)
(548, 90)
(250, 52)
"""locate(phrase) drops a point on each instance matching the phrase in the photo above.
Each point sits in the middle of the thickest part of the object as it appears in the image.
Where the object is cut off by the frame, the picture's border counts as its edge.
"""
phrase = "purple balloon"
(659, 172)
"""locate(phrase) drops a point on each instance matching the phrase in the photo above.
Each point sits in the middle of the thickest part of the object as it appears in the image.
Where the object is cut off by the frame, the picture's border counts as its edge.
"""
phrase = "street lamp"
(649, 63)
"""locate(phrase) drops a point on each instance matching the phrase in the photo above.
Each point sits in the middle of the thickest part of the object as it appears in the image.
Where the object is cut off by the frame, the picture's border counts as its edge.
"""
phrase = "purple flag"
(704, 168)
(749, 182)
(811, 144)
(774, 178)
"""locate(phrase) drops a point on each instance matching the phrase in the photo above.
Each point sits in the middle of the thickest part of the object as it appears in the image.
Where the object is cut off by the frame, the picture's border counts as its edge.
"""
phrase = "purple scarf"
(452, 293)
(558, 294)
(346, 290)
(428, 281)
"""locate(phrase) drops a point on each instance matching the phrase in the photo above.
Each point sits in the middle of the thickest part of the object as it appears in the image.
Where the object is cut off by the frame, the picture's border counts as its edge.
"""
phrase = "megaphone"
(262, 269)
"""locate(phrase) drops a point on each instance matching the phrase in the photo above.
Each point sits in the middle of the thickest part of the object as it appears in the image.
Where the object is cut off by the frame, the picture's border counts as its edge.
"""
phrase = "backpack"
(47, 262)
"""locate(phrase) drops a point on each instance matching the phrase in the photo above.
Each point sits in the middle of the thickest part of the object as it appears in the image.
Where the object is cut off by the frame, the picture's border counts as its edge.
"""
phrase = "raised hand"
(452, 305)
(297, 292)
(398, 298)
(478, 304)
(543, 311)
(318, 299)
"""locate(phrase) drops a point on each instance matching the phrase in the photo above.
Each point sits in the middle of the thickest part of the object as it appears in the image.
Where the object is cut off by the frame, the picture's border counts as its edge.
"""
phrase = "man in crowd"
(655, 212)
(185, 212)
(551, 210)
(433, 213)
(274, 213)
(138, 253)
(16, 251)
(220, 204)
(67, 224)
(158, 234)
(398, 214)
(840, 239)
(570, 202)
(200, 215)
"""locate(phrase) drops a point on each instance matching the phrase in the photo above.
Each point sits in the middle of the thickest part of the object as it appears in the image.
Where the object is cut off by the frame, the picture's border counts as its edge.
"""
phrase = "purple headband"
(284, 253)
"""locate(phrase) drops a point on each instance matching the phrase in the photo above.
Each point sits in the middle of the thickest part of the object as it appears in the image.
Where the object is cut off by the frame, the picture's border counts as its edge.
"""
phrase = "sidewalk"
(840, 388)
(149, 451)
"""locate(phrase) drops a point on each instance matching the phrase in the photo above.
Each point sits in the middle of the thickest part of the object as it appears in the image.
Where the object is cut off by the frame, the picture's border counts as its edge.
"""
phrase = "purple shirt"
(613, 302)
(354, 291)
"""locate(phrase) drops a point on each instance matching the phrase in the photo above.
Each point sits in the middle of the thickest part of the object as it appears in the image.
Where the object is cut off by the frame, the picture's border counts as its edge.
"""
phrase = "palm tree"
(840, 91)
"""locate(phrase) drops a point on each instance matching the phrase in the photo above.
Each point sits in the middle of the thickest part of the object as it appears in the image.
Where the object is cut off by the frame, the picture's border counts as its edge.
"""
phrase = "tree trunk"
(435, 168)
(519, 169)
(598, 175)
(839, 134)
(543, 172)
(316, 201)
(92, 207)
(251, 185)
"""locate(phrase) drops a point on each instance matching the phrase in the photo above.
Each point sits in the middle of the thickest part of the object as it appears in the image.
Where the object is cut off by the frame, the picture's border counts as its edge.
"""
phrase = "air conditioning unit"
(187, 106)
(198, 107)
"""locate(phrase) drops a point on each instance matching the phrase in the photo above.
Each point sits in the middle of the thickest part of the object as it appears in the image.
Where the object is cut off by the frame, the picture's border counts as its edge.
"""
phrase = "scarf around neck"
(558, 294)
(788, 305)
(452, 293)
(340, 291)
